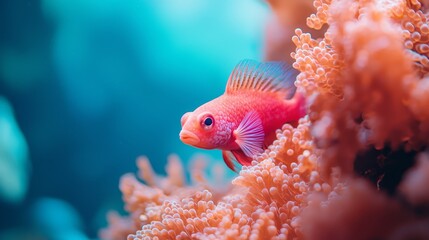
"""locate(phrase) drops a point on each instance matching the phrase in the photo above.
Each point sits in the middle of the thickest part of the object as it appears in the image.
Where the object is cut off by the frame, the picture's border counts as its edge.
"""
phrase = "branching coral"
(151, 201)
(363, 61)
(367, 89)
(365, 81)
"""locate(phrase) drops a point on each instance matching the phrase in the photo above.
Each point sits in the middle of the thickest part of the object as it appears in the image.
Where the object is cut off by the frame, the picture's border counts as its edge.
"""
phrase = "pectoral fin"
(250, 134)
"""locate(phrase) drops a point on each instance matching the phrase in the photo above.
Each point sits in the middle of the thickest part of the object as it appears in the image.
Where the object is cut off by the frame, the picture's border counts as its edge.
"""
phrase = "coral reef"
(354, 168)
(266, 198)
(361, 46)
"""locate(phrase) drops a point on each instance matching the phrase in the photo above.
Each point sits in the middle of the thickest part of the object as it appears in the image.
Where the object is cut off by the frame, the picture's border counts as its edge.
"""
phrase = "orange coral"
(148, 202)
(354, 211)
(266, 200)
(354, 63)
(414, 185)
(366, 107)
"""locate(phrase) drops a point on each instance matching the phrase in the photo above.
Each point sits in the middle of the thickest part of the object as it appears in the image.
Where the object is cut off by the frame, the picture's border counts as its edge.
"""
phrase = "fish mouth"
(189, 137)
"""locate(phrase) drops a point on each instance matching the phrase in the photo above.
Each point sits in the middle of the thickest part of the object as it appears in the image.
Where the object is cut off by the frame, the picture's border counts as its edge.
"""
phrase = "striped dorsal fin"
(250, 75)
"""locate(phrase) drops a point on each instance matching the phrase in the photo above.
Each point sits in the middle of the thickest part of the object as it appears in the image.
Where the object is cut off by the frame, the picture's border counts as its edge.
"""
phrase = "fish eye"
(207, 121)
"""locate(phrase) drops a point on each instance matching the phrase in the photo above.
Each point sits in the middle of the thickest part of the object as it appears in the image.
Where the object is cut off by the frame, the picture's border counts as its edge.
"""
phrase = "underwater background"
(87, 86)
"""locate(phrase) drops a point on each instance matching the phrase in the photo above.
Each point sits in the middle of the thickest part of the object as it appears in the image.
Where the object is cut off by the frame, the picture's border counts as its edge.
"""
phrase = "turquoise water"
(93, 84)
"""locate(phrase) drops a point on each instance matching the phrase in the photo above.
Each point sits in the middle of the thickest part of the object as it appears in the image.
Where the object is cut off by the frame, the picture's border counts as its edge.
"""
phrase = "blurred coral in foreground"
(355, 168)
(266, 198)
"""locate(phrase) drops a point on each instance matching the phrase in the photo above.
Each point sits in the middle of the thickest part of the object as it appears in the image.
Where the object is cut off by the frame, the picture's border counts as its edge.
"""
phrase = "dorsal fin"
(265, 77)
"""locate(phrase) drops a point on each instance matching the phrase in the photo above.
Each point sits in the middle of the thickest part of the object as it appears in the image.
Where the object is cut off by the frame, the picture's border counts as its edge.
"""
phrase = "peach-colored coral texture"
(356, 167)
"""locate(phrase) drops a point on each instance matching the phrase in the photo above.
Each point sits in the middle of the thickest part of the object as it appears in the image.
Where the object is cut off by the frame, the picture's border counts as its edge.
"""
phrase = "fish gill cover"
(356, 167)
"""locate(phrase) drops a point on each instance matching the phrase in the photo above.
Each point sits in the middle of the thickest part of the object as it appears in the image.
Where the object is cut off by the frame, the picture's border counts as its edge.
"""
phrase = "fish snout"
(189, 137)
(184, 118)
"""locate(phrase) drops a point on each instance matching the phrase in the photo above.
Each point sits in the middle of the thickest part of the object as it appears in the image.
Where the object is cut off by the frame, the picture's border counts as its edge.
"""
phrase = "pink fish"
(259, 98)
